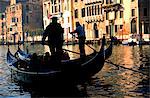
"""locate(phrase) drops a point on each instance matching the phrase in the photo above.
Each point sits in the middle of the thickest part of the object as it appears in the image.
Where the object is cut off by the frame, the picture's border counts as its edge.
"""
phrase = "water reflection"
(126, 83)
(109, 82)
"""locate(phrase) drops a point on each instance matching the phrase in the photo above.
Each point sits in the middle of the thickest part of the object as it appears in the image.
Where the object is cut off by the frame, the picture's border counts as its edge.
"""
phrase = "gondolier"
(54, 31)
(81, 36)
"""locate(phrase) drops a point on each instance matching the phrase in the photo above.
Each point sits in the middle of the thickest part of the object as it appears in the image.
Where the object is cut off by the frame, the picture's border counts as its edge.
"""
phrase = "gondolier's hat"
(54, 18)
(77, 23)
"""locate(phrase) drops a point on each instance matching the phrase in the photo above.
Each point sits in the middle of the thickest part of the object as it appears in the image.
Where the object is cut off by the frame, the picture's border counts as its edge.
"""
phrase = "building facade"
(3, 5)
(90, 14)
(70, 12)
(61, 9)
(120, 18)
(23, 16)
(144, 19)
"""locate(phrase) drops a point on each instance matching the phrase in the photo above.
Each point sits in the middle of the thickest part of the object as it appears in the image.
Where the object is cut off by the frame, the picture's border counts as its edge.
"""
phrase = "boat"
(22, 54)
(73, 71)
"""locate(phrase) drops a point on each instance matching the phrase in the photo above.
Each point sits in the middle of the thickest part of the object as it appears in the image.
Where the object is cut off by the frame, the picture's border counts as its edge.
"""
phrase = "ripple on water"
(110, 82)
(8, 89)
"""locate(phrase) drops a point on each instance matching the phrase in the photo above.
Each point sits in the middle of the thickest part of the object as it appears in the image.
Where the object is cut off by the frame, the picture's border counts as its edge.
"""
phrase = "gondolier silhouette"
(81, 36)
(54, 31)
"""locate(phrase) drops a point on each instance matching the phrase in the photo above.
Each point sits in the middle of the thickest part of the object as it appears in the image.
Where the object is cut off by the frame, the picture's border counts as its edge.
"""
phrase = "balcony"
(112, 7)
(91, 3)
(93, 19)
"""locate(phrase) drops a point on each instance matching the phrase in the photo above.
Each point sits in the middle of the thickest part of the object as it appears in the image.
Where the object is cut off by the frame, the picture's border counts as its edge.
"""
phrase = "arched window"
(95, 30)
(133, 26)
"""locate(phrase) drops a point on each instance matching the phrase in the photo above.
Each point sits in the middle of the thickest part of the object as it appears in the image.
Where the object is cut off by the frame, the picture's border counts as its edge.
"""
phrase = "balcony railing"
(112, 7)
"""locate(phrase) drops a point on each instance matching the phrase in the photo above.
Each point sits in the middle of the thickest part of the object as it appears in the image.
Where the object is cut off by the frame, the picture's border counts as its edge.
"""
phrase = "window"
(55, 9)
(121, 26)
(87, 10)
(93, 10)
(101, 10)
(83, 12)
(13, 19)
(107, 15)
(107, 30)
(3, 16)
(133, 12)
(90, 11)
(76, 13)
(76, 0)
(116, 14)
(132, 0)
(3, 24)
(10, 29)
(133, 26)
(98, 9)
(116, 29)
(59, 8)
(52, 9)
(145, 11)
(13, 9)
(121, 14)
(17, 20)
(54, 1)
(121, 1)
(106, 1)
(146, 28)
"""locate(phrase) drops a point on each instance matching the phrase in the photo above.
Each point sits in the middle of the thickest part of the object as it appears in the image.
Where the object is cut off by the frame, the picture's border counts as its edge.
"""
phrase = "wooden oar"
(71, 51)
(91, 48)
(124, 67)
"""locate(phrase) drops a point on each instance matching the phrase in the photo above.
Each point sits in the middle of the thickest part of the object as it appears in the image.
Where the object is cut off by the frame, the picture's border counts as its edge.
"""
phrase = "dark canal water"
(132, 80)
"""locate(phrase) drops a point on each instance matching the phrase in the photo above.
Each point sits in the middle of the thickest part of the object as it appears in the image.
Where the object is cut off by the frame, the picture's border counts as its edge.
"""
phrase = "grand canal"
(131, 80)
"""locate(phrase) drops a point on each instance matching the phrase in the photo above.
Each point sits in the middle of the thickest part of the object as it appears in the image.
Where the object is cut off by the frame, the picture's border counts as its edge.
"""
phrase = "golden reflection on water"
(123, 83)
(127, 59)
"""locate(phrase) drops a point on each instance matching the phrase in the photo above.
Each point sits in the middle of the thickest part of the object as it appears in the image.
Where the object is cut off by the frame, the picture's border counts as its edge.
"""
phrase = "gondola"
(73, 71)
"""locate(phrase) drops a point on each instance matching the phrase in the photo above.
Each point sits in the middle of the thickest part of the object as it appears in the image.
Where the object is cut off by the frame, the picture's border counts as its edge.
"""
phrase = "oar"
(91, 48)
(71, 51)
(124, 67)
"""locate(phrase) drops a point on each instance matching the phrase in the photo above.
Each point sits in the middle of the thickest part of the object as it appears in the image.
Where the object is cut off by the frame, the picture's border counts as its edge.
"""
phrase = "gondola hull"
(33, 77)
(70, 71)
